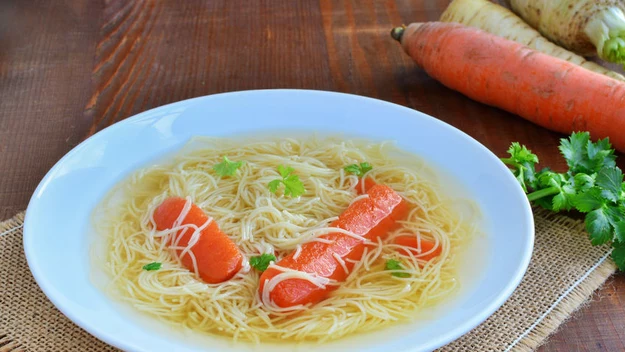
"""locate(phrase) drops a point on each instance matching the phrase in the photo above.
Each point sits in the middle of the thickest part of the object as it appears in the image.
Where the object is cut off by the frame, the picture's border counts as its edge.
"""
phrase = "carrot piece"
(217, 257)
(550, 92)
(370, 217)
(368, 184)
(426, 246)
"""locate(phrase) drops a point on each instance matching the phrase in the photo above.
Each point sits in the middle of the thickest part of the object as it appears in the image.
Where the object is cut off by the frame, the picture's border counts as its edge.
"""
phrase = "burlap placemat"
(564, 271)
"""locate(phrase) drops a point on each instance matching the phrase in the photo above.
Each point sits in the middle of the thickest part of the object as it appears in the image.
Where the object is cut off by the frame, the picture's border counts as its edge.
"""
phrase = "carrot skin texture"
(426, 246)
(547, 91)
(218, 257)
(370, 217)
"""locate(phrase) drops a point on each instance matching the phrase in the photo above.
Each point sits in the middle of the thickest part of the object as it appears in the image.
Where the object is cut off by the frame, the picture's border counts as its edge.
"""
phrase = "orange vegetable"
(545, 90)
(368, 184)
(426, 246)
(217, 257)
(370, 217)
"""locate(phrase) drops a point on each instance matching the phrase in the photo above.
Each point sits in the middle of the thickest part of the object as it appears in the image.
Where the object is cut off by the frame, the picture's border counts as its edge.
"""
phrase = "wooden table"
(70, 68)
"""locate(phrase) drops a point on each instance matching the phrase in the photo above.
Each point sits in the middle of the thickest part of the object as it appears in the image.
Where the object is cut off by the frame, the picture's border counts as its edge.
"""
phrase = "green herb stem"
(543, 193)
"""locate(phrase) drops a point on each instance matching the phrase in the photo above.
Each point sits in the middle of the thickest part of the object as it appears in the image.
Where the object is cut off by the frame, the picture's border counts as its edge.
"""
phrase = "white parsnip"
(587, 27)
(502, 22)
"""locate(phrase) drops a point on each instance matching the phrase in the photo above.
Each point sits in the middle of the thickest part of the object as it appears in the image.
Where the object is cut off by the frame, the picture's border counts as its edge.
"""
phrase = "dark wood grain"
(69, 68)
(46, 56)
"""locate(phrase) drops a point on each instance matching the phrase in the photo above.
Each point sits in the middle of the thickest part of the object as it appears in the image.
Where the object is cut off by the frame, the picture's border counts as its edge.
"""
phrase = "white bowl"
(57, 226)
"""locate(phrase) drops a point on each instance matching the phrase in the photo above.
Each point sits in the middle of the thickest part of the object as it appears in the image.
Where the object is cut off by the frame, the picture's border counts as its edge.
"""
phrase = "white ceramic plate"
(57, 227)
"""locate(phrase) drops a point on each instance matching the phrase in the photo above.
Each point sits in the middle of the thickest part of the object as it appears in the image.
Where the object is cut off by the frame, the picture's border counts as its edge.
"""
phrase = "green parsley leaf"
(601, 154)
(262, 261)
(559, 188)
(598, 227)
(619, 231)
(152, 266)
(575, 152)
(611, 180)
(523, 162)
(589, 200)
(227, 167)
(393, 264)
(582, 155)
(293, 186)
(285, 171)
(583, 182)
(273, 185)
(358, 169)
(614, 214)
(565, 199)
(618, 254)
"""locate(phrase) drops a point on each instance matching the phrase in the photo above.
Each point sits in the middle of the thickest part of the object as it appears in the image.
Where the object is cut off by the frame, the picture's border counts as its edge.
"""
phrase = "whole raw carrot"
(369, 217)
(550, 92)
(217, 257)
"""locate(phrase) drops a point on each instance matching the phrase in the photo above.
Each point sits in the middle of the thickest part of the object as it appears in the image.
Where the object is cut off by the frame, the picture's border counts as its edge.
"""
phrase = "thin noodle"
(261, 222)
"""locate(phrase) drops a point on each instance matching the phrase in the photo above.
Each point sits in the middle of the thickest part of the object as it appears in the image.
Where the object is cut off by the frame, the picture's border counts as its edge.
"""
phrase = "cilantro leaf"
(618, 254)
(293, 186)
(152, 266)
(393, 264)
(358, 169)
(611, 180)
(227, 167)
(261, 262)
(598, 227)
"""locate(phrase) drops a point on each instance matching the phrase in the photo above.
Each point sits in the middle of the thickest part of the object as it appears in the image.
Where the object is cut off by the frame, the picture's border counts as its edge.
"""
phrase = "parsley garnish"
(592, 185)
(293, 186)
(227, 167)
(393, 264)
(152, 266)
(262, 261)
(358, 169)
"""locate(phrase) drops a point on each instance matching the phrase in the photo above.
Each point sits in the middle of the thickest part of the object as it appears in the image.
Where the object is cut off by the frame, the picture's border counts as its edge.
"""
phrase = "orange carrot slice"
(370, 217)
(368, 184)
(426, 247)
(217, 257)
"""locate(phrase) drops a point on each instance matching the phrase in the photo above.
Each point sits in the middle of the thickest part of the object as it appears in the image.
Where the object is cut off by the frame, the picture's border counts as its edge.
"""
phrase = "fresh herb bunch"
(593, 185)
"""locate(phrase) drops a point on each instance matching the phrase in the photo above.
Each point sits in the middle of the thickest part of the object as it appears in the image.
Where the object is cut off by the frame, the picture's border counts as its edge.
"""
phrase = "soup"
(295, 239)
